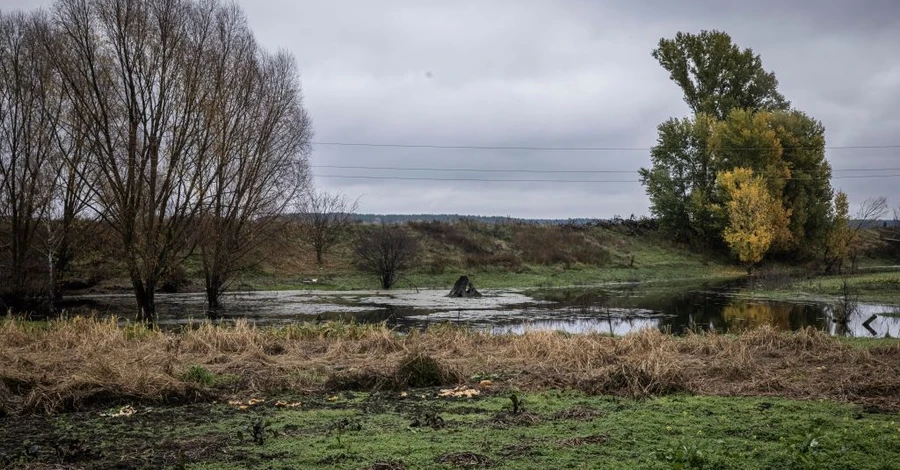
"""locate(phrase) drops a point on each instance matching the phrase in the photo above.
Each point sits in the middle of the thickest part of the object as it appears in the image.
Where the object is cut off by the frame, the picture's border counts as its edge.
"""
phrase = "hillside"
(511, 254)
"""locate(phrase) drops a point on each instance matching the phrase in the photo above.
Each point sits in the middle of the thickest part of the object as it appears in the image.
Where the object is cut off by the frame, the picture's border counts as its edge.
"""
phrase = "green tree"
(808, 192)
(740, 120)
(682, 178)
(837, 242)
(716, 76)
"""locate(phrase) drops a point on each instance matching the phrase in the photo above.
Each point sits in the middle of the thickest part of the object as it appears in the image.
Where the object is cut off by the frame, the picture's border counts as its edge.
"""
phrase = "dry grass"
(549, 245)
(80, 362)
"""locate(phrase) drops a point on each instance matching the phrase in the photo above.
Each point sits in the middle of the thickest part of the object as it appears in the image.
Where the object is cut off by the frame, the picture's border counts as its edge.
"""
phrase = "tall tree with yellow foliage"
(756, 219)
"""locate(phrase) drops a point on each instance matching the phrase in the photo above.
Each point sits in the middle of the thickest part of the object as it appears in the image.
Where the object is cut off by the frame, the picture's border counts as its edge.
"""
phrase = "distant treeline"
(490, 219)
(401, 218)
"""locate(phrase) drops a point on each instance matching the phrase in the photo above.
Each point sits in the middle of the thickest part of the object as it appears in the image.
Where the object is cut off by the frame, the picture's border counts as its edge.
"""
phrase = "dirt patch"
(466, 410)
(78, 440)
(583, 440)
(465, 460)
(388, 465)
(335, 459)
(514, 451)
(577, 413)
(506, 419)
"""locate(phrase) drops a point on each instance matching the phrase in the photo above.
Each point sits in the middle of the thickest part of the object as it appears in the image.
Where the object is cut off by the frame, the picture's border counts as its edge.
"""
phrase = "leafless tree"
(73, 178)
(386, 251)
(867, 216)
(259, 141)
(324, 218)
(30, 107)
(131, 71)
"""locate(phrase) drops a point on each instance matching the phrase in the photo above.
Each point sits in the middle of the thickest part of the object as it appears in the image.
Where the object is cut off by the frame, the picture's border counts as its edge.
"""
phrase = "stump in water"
(464, 288)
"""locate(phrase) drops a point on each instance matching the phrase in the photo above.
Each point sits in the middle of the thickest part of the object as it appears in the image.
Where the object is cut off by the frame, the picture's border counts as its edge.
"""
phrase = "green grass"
(867, 343)
(701, 432)
(534, 276)
(875, 287)
(557, 430)
(629, 258)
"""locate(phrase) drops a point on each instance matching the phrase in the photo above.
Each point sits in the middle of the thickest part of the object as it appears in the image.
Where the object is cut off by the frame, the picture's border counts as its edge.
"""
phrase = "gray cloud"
(561, 73)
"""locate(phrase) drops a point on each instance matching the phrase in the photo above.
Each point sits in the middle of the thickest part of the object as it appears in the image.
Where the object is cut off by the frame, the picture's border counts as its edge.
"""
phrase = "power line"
(575, 149)
(493, 180)
(425, 178)
(463, 170)
(513, 170)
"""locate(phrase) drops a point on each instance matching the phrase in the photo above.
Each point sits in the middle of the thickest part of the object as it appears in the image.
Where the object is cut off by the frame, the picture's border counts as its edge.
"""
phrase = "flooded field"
(616, 309)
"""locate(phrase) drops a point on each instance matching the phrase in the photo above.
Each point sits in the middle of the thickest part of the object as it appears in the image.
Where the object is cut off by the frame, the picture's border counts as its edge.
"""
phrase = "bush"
(174, 280)
(421, 370)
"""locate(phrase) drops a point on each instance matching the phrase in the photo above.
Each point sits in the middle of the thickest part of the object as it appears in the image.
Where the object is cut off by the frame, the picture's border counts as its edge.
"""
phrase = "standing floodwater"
(614, 310)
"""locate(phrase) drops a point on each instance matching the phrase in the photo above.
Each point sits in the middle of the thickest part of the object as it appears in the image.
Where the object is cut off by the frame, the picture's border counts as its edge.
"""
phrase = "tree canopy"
(756, 220)
(740, 120)
(716, 76)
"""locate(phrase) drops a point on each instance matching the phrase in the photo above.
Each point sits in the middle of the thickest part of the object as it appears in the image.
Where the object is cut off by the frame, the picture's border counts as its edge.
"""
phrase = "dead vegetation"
(82, 363)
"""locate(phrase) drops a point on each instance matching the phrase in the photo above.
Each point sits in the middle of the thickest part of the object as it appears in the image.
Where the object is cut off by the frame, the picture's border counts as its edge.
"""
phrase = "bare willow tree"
(386, 251)
(867, 216)
(30, 106)
(131, 71)
(260, 138)
(72, 180)
(324, 218)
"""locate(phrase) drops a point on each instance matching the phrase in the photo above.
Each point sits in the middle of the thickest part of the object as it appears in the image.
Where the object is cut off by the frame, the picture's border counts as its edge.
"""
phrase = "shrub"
(421, 370)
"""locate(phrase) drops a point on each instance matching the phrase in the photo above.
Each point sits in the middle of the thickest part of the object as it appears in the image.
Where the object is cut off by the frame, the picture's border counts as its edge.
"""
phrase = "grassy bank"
(83, 363)
(875, 287)
(421, 430)
(499, 255)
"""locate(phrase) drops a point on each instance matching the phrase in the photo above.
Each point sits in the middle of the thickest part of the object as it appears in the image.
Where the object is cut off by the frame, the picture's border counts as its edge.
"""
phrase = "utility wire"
(576, 149)
(511, 170)
(424, 178)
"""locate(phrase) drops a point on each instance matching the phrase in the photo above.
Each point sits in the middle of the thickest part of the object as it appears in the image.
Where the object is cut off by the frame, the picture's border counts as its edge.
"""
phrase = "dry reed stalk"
(81, 362)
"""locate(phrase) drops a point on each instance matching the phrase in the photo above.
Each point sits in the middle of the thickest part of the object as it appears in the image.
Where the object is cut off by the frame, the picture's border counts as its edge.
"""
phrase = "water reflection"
(741, 315)
(613, 310)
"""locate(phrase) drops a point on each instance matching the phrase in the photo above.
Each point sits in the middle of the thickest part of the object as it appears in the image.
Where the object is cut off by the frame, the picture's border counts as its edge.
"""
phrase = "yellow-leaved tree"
(837, 245)
(755, 218)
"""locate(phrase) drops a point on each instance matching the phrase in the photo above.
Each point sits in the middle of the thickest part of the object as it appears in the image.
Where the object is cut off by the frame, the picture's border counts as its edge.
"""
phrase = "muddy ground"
(419, 428)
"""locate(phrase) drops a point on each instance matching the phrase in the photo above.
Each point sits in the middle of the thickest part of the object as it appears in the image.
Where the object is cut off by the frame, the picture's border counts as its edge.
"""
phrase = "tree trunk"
(146, 303)
(213, 288)
(387, 280)
(320, 255)
(62, 258)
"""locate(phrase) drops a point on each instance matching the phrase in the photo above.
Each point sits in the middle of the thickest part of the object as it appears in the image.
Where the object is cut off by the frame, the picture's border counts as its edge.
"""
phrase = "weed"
(847, 303)
(685, 456)
(429, 419)
(517, 404)
(199, 375)
(339, 427)
(258, 429)
(805, 454)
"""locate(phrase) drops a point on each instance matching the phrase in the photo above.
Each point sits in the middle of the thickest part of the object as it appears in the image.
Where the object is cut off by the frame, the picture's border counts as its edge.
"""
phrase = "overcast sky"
(560, 74)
